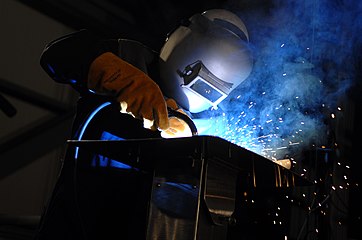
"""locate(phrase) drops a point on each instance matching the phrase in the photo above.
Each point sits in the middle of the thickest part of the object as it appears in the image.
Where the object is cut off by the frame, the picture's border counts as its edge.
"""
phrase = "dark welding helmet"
(204, 59)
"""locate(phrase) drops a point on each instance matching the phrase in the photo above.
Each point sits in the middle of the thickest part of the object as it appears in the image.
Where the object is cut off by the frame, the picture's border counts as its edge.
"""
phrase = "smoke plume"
(303, 63)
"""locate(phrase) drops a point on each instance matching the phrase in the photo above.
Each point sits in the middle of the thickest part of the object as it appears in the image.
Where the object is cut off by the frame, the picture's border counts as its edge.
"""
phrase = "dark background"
(150, 21)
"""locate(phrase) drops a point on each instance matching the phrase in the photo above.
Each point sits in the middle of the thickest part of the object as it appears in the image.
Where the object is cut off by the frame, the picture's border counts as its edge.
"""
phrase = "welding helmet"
(204, 59)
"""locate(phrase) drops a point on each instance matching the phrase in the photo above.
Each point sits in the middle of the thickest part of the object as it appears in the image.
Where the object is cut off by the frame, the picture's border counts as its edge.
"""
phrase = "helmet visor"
(199, 80)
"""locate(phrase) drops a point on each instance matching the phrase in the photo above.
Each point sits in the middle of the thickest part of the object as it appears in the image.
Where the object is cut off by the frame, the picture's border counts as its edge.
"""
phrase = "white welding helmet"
(204, 59)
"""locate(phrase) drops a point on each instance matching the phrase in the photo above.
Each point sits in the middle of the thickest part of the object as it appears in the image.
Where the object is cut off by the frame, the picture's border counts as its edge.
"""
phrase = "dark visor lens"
(206, 90)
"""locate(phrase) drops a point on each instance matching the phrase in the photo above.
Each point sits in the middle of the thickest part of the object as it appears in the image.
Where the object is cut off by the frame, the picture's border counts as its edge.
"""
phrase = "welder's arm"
(136, 92)
(87, 62)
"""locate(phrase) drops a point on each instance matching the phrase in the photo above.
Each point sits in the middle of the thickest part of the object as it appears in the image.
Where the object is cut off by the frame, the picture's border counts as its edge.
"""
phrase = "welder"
(200, 63)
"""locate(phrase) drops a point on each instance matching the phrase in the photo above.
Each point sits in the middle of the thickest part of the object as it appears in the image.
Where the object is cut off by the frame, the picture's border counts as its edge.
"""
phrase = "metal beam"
(34, 143)
(32, 97)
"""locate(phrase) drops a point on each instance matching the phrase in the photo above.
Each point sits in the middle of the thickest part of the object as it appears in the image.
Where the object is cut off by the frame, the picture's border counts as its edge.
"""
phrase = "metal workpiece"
(194, 182)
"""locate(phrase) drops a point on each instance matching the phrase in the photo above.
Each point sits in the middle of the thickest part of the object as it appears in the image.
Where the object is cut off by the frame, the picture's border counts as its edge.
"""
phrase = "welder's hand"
(136, 92)
(177, 126)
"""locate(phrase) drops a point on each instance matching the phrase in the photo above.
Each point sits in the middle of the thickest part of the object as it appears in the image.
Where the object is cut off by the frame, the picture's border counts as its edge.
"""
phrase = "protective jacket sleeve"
(68, 58)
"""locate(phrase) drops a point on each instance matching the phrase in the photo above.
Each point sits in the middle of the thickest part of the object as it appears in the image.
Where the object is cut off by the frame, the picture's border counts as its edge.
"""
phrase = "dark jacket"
(85, 203)
(68, 58)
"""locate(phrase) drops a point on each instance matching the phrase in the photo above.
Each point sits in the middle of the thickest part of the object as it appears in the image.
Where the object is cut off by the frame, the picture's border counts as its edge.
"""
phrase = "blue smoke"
(304, 64)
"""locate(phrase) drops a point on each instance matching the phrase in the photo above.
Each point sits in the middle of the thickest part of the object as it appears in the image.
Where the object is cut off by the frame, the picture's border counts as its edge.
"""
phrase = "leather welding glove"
(177, 126)
(136, 92)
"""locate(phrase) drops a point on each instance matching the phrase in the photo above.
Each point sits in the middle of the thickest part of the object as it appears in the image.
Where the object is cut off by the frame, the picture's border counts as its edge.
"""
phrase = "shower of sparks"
(289, 101)
(272, 136)
(244, 130)
(273, 123)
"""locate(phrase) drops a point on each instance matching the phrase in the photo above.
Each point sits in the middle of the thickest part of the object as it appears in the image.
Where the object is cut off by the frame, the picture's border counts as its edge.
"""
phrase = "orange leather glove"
(136, 92)
(178, 127)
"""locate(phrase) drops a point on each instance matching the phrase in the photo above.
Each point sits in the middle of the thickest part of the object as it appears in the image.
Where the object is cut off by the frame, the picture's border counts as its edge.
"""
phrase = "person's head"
(204, 59)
